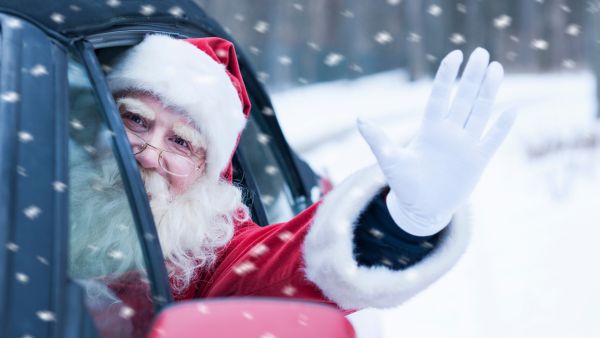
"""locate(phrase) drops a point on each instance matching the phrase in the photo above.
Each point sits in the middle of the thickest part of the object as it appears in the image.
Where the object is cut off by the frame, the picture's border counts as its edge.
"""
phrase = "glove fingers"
(380, 144)
(469, 85)
(482, 108)
(497, 133)
(439, 98)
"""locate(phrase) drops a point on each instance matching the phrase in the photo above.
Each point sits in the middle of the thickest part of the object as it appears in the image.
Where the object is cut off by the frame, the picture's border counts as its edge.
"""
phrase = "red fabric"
(223, 52)
(242, 270)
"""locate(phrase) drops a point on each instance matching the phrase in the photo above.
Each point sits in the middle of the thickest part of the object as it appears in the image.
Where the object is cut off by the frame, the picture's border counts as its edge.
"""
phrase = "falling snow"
(254, 50)
(261, 27)
(413, 37)
(268, 335)
(262, 77)
(259, 250)
(502, 21)
(25, 137)
(461, 8)
(38, 70)
(285, 236)
(333, 59)
(57, 17)
(383, 37)
(46, 316)
(268, 111)
(289, 290)
(376, 233)
(203, 309)
(435, 10)
(113, 3)
(271, 170)
(347, 14)
(298, 7)
(10, 97)
(285, 60)
(263, 138)
(244, 268)
(313, 45)
(59, 186)
(21, 277)
(267, 199)
(573, 30)
(126, 312)
(42, 260)
(147, 10)
(176, 11)
(12, 247)
(247, 315)
(116, 254)
(457, 39)
(568, 63)
(75, 8)
(394, 2)
(76, 124)
(14, 23)
(539, 44)
(32, 212)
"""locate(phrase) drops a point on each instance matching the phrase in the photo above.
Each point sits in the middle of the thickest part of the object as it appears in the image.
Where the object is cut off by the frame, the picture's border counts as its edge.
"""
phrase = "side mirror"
(251, 317)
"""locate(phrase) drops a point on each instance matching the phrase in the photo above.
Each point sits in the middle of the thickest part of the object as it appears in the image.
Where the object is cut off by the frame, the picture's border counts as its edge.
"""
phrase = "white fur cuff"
(329, 258)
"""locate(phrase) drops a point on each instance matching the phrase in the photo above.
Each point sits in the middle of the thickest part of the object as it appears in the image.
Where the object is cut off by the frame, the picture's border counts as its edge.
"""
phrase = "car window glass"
(105, 254)
(268, 172)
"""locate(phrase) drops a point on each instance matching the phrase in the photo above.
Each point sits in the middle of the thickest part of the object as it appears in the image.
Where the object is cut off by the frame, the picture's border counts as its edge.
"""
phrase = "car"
(55, 111)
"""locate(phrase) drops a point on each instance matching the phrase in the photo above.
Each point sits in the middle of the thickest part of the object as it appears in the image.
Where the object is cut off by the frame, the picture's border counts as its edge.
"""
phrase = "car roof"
(77, 17)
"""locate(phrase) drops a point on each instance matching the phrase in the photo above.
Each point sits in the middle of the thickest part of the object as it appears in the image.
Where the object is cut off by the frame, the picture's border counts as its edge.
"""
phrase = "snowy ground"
(531, 269)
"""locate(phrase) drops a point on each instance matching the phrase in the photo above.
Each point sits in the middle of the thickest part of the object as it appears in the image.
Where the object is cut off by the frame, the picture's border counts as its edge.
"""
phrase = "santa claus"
(375, 240)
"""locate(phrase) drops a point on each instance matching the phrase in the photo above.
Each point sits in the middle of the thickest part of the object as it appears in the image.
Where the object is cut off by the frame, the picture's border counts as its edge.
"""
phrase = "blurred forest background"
(297, 42)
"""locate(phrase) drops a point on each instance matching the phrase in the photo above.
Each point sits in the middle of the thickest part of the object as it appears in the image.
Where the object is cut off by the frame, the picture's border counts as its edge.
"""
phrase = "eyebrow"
(137, 107)
(191, 134)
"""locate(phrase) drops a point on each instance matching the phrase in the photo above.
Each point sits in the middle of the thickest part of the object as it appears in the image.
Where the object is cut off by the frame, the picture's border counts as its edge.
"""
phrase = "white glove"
(436, 172)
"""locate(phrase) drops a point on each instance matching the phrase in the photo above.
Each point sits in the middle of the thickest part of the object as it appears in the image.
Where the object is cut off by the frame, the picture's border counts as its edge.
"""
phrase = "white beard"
(191, 226)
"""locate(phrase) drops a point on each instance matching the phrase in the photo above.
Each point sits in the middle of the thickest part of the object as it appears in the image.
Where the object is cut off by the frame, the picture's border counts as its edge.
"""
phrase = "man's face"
(164, 140)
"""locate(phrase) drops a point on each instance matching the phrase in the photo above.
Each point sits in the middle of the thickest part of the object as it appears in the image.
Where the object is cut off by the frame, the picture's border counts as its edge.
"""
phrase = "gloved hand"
(436, 172)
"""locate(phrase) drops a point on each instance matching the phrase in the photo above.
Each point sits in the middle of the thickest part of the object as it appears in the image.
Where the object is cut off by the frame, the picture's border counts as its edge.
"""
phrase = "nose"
(147, 157)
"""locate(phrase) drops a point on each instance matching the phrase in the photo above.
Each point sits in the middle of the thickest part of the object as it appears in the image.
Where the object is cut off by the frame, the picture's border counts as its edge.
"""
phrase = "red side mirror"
(251, 317)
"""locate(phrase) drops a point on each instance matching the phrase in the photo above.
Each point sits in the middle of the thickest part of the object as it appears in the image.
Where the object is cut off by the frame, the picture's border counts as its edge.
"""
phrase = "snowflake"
(268, 111)
(258, 250)
(203, 309)
(42, 260)
(149, 237)
(75, 8)
(569, 63)
(313, 45)
(285, 60)
(427, 245)
(413, 37)
(57, 17)
(263, 138)
(386, 262)
(394, 2)
(254, 50)
(25, 137)
(267, 199)
(514, 38)
(46, 316)
(262, 77)
(221, 53)
(59, 186)
(268, 335)
(298, 6)
(116, 254)
(511, 56)
(430, 57)
(376, 233)
(303, 81)
(239, 17)
(113, 3)
(176, 11)
(347, 14)
(289, 290)
(403, 260)
(10, 97)
(32, 212)
(247, 315)
(303, 320)
(539, 44)
(244, 268)
(356, 68)
(435, 10)
(261, 26)
(126, 312)
(14, 23)
(461, 8)
(12, 247)
(383, 37)
(27, 336)
(90, 149)
(271, 169)
(457, 39)
(106, 68)
(502, 21)
(38, 70)
(147, 10)
(285, 236)
(76, 124)
(573, 29)
(333, 59)
(565, 8)
(21, 171)
(21, 277)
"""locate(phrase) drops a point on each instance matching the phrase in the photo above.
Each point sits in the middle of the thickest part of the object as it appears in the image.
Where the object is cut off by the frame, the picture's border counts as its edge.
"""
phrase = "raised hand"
(436, 172)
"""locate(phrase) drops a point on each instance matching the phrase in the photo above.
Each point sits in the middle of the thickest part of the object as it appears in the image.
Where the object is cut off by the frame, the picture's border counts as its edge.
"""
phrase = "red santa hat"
(200, 77)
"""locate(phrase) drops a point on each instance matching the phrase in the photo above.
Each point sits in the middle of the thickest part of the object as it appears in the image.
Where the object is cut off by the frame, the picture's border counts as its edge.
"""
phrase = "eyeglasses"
(173, 163)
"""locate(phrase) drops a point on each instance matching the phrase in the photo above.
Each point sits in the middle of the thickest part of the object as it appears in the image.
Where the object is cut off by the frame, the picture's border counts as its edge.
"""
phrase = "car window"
(268, 172)
(105, 255)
